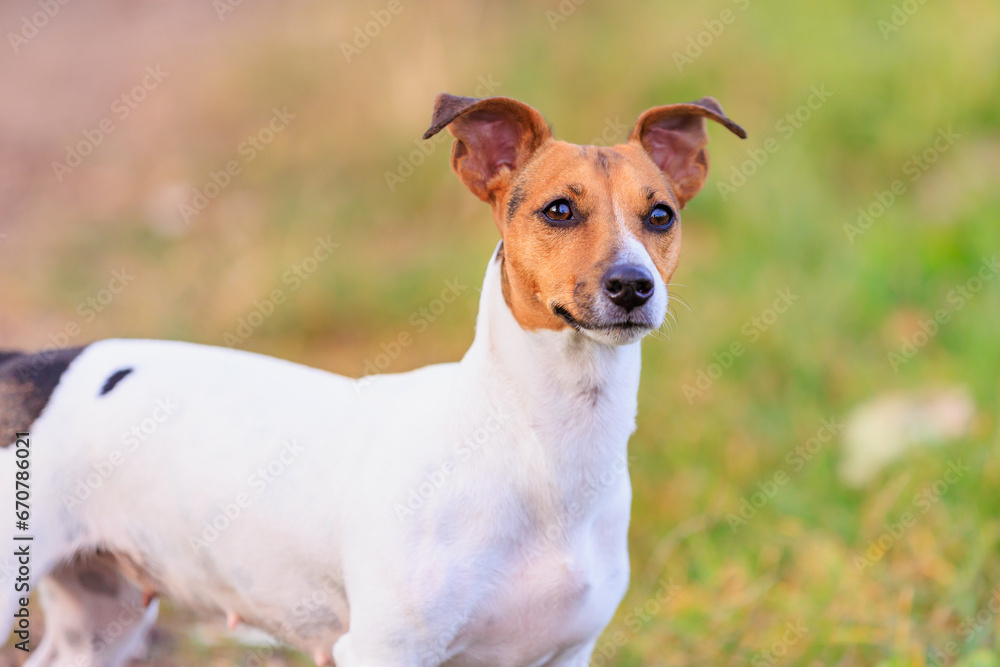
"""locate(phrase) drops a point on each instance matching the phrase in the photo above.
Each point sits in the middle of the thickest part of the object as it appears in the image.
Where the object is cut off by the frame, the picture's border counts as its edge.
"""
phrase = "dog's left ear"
(494, 137)
(675, 138)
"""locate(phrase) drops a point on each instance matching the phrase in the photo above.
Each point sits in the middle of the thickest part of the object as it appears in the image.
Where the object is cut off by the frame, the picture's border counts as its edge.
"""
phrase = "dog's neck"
(575, 396)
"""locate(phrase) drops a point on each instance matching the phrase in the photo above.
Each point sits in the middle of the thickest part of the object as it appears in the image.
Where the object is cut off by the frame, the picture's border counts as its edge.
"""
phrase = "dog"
(469, 513)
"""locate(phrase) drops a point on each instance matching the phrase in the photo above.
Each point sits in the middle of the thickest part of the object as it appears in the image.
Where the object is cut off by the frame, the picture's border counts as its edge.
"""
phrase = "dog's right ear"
(674, 137)
(494, 137)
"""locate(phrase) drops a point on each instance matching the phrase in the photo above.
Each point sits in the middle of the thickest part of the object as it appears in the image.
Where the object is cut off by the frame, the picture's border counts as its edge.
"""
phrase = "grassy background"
(726, 596)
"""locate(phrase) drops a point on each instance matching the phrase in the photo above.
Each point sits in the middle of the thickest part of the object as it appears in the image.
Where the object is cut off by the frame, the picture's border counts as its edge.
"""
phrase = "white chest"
(559, 588)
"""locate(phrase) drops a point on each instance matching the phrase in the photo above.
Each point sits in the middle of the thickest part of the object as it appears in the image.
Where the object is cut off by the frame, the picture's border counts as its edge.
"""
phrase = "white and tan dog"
(471, 513)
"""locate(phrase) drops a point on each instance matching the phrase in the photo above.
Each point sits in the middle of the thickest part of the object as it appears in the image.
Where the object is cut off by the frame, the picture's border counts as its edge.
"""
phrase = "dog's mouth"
(629, 323)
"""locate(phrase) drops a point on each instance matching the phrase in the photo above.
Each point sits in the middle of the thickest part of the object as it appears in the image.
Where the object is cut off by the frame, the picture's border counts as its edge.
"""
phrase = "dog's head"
(591, 235)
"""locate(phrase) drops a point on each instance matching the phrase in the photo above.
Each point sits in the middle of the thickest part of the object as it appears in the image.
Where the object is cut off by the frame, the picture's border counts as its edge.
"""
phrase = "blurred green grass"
(794, 562)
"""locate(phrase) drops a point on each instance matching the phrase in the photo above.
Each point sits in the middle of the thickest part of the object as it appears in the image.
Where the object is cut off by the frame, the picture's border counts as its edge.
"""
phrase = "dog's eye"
(662, 217)
(558, 211)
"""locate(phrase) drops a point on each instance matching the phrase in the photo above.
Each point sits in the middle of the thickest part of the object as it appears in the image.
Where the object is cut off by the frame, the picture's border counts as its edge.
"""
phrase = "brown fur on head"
(568, 214)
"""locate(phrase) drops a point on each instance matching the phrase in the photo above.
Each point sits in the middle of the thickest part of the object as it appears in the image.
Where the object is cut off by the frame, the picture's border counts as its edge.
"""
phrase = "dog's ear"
(675, 137)
(494, 137)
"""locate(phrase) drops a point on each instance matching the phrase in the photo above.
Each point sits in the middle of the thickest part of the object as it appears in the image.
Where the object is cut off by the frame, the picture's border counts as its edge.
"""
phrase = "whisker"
(669, 327)
(672, 316)
(680, 300)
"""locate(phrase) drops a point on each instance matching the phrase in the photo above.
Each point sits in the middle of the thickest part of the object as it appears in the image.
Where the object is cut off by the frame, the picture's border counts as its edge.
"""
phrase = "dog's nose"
(628, 286)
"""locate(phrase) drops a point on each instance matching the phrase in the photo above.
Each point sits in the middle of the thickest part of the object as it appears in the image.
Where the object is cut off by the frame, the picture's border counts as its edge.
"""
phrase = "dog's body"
(473, 513)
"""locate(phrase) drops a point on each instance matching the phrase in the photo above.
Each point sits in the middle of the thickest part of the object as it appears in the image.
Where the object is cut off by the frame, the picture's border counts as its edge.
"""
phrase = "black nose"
(628, 286)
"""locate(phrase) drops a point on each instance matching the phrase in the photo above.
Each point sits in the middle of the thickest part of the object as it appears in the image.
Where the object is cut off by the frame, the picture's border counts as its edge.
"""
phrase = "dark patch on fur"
(142, 572)
(648, 191)
(7, 355)
(515, 201)
(26, 383)
(603, 163)
(446, 109)
(604, 159)
(114, 379)
(576, 189)
(110, 574)
(100, 581)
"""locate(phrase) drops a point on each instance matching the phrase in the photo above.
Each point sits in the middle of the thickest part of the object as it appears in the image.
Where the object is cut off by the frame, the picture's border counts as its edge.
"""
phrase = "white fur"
(472, 513)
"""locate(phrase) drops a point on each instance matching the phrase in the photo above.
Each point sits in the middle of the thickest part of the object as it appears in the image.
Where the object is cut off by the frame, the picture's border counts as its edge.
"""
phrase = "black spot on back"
(26, 383)
(114, 379)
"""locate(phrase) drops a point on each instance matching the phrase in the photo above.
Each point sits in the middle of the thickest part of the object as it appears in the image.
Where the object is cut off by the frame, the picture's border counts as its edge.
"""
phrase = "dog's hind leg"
(93, 615)
(36, 538)
(28, 551)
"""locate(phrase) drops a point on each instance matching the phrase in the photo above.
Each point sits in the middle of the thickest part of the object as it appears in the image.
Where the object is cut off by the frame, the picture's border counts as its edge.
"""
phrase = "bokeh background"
(829, 495)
